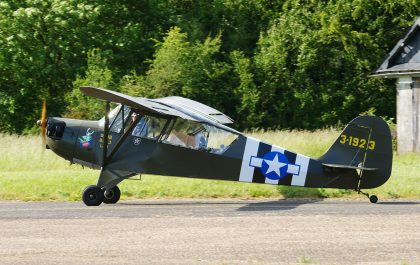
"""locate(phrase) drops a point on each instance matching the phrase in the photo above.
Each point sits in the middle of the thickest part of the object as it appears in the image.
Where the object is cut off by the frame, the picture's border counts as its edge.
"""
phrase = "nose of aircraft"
(55, 128)
(61, 136)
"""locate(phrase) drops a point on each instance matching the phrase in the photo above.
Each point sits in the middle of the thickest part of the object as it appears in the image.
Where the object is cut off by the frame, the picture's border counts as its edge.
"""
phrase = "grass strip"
(30, 173)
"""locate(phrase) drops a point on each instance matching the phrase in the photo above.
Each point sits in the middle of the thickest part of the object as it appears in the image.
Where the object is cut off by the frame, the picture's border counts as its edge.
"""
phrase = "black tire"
(92, 195)
(113, 196)
(373, 199)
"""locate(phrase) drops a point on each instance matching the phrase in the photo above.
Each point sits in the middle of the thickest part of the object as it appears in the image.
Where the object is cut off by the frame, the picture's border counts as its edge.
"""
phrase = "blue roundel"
(274, 165)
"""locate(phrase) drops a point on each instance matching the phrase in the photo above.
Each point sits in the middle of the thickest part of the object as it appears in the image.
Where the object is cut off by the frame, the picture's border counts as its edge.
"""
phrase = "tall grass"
(29, 172)
(312, 144)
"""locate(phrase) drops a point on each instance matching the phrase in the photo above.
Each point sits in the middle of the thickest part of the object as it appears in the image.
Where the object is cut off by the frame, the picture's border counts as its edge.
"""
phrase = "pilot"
(201, 140)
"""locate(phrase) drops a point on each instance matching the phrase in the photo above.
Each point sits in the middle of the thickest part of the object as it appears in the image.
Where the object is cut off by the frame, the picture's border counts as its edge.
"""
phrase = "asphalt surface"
(213, 208)
(211, 232)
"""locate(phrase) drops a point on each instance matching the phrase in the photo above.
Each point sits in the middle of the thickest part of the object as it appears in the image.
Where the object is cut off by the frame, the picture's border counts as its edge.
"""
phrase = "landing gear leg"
(372, 198)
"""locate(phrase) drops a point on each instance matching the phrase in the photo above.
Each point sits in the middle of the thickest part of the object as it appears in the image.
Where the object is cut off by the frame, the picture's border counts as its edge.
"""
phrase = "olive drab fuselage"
(140, 136)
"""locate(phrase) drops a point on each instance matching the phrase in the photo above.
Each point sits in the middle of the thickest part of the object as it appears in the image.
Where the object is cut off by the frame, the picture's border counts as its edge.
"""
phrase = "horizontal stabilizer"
(350, 167)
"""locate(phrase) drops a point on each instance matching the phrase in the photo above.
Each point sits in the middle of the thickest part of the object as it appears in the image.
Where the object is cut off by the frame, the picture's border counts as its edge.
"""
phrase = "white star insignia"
(136, 141)
(274, 165)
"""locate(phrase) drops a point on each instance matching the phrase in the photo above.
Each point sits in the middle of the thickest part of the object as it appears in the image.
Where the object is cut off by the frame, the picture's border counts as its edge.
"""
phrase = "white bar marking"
(277, 149)
(300, 179)
(293, 169)
(251, 150)
(256, 161)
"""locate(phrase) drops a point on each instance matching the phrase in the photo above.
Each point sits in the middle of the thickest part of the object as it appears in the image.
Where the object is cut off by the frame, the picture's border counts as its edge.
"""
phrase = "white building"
(403, 63)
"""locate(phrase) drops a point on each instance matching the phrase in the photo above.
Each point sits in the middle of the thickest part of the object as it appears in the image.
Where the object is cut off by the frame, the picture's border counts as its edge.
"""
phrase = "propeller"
(43, 121)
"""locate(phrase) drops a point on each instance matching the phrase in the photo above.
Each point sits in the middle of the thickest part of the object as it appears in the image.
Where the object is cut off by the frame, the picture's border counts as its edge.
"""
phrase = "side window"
(148, 127)
(200, 136)
(219, 140)
(187, 134)
(117, 122)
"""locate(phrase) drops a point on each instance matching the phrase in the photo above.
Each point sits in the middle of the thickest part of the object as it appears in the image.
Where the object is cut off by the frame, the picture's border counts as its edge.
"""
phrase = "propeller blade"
(43, 121)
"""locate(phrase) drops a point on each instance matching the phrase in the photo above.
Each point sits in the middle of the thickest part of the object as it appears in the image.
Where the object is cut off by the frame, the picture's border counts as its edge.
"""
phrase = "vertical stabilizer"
(365, 144)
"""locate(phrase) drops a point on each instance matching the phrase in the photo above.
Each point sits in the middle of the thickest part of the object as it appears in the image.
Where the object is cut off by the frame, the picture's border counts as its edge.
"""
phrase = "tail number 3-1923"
(357, 142)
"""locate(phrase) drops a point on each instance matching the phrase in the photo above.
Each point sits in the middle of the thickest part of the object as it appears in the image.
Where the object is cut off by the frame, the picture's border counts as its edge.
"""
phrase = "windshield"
(112, 114)
(116, 120)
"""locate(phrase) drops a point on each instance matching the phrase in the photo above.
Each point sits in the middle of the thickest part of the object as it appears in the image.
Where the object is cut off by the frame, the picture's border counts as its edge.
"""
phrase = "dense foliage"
(285, 63)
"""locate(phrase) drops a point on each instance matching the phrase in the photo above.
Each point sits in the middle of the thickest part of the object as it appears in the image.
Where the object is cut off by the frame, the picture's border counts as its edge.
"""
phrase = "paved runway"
(200, 208)
(211, 232)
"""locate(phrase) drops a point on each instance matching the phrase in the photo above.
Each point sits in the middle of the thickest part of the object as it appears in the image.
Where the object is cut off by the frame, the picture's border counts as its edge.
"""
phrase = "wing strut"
(121, 140)
(106, 133)
(109, 178)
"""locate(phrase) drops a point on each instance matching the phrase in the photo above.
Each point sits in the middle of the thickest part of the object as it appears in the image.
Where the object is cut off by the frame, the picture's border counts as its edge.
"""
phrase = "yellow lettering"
(355, 141)
(362, 143)
(372, 145)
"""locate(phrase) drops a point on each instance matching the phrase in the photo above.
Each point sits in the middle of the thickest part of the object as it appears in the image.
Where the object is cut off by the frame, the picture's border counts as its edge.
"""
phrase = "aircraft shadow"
(247, 205)
(279, 205)
(182, 203)
(399, 203)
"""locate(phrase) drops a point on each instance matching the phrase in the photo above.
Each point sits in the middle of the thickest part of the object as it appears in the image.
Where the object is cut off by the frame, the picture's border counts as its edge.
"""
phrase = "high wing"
(169, 106)
(194, 108)
(141, 104)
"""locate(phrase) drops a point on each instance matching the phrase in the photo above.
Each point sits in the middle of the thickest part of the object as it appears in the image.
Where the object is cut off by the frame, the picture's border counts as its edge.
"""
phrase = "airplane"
(176, 136)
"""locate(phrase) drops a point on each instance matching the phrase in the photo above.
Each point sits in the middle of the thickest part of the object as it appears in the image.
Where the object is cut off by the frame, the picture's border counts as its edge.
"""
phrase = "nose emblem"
(86, 140)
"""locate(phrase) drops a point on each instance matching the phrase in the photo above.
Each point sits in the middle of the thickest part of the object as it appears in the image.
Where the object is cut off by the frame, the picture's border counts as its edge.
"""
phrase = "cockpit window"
(148, 126)
(200, 136)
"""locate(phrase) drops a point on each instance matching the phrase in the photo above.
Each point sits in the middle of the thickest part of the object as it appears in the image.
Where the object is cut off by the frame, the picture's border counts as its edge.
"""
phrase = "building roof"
(405, 56)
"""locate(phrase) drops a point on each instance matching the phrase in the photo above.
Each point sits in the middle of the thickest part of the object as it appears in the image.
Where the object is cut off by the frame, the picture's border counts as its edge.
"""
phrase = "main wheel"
(373, 199)
(92, 195)
(112, 196)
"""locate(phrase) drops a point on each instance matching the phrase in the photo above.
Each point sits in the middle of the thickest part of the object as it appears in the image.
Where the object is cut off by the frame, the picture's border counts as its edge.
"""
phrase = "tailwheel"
(112, 195)
(373, 199)
(92, 195)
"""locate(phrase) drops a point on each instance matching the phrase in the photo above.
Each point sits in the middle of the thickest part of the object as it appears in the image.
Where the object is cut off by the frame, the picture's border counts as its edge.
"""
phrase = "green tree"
(284, 63)
(43, 47)
(240, 21)
(97, 75)
(313, 64)
(246, 92)
(180, 67)
(39, 43)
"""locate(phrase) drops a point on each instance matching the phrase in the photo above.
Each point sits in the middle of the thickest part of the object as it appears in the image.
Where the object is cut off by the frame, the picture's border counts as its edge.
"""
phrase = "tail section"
(364, 145)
